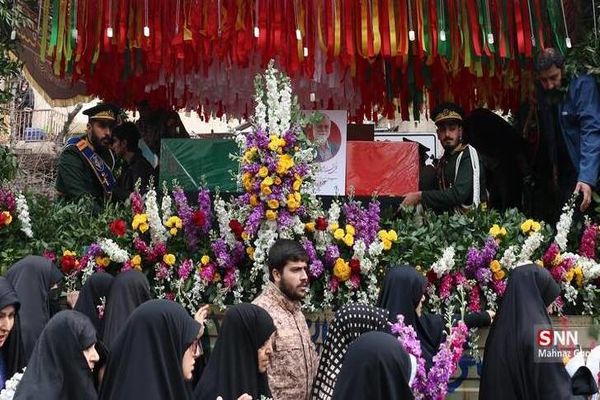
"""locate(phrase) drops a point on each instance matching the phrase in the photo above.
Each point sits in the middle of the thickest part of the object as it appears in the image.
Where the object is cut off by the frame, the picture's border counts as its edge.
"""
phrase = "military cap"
(447, 112)
(102, 111)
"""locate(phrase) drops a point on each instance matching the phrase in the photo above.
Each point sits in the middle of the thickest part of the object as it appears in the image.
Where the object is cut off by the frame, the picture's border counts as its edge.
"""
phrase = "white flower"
(376, 248)
(157, 229)
(445, 263)
(509, 258)
(564, 225)
(590, 269)
(334, 213)
(166, 206)
(265, 238)
(10, 387)
(113, 251)
(570, 293)
(223, 218)
(23, 215)
(532, 243)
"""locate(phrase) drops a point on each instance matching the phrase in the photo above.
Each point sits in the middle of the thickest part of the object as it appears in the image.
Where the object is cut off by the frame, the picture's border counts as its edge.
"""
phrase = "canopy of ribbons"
(365, 56)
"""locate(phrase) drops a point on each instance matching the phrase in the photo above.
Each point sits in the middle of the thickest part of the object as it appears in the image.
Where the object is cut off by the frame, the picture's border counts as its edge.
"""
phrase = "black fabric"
(376, 367)
(145, 359)
(351, 321)
(12, 350)
(58, 369)
(96, 287)
(32, 277)
(402, 290)
(509, 370)
(583, 382)
(128, 291)
(232, 369)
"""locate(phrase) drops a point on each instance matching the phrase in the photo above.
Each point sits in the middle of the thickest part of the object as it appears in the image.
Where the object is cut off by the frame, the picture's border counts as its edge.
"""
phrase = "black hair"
(129, 132)
(547, 58)
(283, 251)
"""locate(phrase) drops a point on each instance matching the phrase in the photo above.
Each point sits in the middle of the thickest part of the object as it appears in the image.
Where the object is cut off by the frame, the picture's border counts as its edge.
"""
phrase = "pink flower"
(588, 242)
(207, 273)
(446, 286)
(334, 284)
(474, 300)
(355, 281)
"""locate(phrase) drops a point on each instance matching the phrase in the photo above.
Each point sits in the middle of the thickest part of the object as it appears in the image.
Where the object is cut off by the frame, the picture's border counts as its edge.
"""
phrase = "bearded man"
(294, 361)
(85, 164)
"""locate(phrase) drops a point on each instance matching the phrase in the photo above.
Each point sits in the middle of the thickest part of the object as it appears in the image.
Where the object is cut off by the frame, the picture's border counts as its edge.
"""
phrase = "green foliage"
(8, 164)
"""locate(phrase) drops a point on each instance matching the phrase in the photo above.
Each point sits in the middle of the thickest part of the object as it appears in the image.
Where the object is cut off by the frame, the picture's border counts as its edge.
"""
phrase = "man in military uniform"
(86, 163)
(460, 178)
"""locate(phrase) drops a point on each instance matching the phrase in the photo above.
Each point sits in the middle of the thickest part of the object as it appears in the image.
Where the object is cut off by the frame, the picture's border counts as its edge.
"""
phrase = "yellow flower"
(250, 252)
(268, 181)
(341, 270)
(338, 233)
(309, 226)
(245, 235)
(102, 261)
(266, 190)
(205, 259)
(136, 260)
(254, 200)
(263, 171)
(173, 231)
(349, 240)
(7, 217)
(536, 226)
(144, 227)
(392, 235)
(569, 276)
(497, 231)
(271, 215)
(333, 227)
(169, 259)
(139, 219)
(499, 275)
(387, 244)
(350, 230)
(578, 272)
(284, 163)
(276, 143)
(495, 266)
(526, 226)
(69, 253)
(174, 222)
(249, 155)
(382, 234)
(277, 180)
(297, 184)
(292, 204)
(273, 204)
(297, 196)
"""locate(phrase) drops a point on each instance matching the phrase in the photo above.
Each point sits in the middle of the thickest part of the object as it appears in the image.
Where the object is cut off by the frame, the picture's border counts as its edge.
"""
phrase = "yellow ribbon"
(376, 32)
(363, 49)
(319, 26)
(337, 29)
(392, 22)
(62, 15)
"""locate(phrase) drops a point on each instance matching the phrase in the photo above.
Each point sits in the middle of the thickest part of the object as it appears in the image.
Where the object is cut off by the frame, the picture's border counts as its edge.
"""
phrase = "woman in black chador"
(376, 367)
(94, 291)
(62, 361)
(402, 292)
(510, 370)
(153, 357)
(238, 363)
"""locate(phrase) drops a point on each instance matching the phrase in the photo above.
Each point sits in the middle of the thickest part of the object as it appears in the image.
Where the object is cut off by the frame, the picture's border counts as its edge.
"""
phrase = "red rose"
(198, 218)
(236, 227)
(355, 266)
(432, 277)
(321, 224)
(68, 264)
(118, 227)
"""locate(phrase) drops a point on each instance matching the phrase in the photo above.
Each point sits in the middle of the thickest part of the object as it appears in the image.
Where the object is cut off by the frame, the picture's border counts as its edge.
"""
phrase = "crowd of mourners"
(113, 341)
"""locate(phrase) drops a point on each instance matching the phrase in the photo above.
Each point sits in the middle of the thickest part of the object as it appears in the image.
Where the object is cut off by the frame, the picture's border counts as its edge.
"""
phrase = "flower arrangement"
(432, 384)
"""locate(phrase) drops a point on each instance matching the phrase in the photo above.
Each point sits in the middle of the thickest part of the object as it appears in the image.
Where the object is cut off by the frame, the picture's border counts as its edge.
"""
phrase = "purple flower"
(7, 199)
(332, 253)
(205, 205)
(254, 219)
(499, 287)
(162, 271)
(315, 269)
(284, 219)
(474, 261)
(185, 269)
(222, 254)
(366, 222)
(207, 273)
(251, 168)
(186, 214)
(483, 275)
(290, 138)
(229, 279)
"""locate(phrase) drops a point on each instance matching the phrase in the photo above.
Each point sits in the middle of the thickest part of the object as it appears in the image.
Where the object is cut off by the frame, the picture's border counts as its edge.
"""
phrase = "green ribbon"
(54, 33)
(443, 46)
(554, 14)
(45, 19)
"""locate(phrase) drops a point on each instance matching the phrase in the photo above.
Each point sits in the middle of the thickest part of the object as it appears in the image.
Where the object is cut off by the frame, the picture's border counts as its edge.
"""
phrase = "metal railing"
(35, 125)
